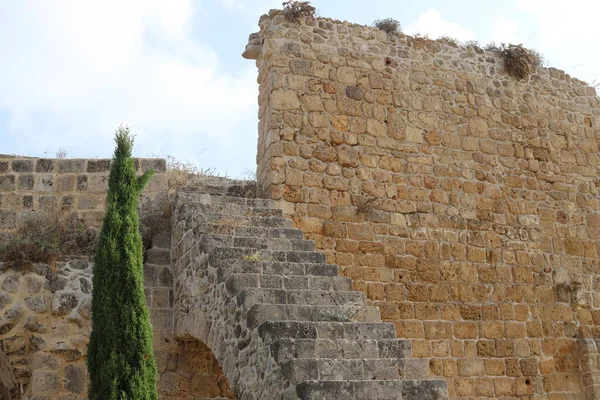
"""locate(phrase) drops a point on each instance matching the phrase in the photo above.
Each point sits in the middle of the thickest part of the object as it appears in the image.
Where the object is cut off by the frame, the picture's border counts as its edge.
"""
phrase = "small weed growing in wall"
(472, 43)
(295, 10)
(390, 25)
(519, 61)
(61, 153)
(449, 40)
(46, 238)
(365, 205)
(252, 257)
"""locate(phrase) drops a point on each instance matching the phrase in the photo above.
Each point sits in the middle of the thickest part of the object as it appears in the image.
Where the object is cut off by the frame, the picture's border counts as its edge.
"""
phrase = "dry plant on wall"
(390, 25)
(181, 174)
(47, 238)
(294, 11)
(519, 61)
(61, 153)
(365, 205)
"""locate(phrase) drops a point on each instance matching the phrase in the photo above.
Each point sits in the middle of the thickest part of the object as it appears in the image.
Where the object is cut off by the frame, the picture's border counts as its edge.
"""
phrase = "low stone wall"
(61, 186)
(45, 327)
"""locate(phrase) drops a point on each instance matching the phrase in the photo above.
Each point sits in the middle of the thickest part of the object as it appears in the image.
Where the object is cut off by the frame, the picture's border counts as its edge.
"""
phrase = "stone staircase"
(307, 333)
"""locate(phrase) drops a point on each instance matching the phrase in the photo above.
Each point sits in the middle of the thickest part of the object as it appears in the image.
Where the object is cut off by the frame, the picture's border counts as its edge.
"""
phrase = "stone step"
(238, 281)
(244, 209)
(217, 186)
(246, 201)
(369, 390)
(227, 267)
(218, 253)
(340, 369)
(242, 220)
(210, 241)
(162, 239)
(288, 349)
(250, 296)
(274, 244)
(274, 233)
(205, 205)
(271, 331)
(248, 231)
(158, 255)
(259, 313)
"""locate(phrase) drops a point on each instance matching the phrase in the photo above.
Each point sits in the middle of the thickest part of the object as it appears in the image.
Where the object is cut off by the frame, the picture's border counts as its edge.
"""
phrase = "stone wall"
(45, 309)
(463, 202)
(58, 186)
(45, 327)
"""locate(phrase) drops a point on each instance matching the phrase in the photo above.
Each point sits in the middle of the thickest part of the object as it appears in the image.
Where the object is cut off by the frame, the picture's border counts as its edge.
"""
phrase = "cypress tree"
(120, 358)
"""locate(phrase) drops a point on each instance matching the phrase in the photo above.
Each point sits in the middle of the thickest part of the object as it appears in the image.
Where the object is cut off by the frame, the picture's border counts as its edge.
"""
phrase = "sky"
(72, 71)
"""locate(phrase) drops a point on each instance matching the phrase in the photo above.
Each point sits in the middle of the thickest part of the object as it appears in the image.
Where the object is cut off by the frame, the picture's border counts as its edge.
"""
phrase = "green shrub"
(121, 361)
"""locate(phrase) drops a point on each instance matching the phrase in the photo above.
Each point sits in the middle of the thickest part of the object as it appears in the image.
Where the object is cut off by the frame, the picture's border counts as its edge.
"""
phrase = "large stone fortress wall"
(463, 202)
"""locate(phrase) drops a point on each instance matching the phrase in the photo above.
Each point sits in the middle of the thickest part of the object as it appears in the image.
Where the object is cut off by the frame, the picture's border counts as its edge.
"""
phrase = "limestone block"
(478, 127)
(44, 382)
(414, 135)
(71, 166)
(74, 379)
(22, 165)
(285, 100)
(7, 183)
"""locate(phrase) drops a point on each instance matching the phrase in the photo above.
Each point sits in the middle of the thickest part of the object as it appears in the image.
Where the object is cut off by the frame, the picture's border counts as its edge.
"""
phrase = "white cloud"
(233, 4)
(566, 34)
(504, 31)
(73, 70)
(433, 24)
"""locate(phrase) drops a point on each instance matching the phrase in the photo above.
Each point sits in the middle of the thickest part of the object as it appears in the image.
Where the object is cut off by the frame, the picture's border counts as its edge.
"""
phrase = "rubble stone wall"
(463, 202)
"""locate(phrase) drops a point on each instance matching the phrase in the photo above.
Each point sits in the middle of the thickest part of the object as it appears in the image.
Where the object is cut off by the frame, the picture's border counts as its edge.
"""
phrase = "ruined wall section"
(463, 202)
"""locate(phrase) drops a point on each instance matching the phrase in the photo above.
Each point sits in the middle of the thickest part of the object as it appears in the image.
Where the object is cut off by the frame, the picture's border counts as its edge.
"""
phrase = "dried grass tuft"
(47, 238)
(390, 25)
(365, 205)
(182, 174)
(294, 11)
(519, 61)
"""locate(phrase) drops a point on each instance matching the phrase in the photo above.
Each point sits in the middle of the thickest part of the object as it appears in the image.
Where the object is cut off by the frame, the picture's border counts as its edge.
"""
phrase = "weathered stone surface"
(55, 283)
(75, 378)
(43, 360)
(5, 300)
(34, 284)
(85, 307)
(37, 303)
(11, 318)
(44, 382)
(85, 285)
(63, 303)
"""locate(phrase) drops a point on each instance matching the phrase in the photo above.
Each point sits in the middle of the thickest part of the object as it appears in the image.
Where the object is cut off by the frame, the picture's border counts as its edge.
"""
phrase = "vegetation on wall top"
(295, 10)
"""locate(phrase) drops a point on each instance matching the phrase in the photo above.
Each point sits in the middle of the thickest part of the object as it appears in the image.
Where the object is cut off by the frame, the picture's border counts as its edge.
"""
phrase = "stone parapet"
(63, 186)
